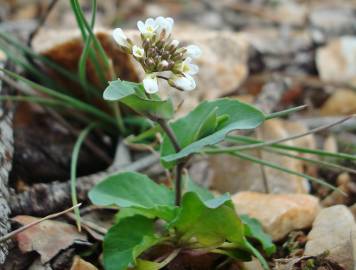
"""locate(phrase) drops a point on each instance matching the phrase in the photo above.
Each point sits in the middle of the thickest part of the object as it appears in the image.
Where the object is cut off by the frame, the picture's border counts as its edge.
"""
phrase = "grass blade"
(34, 99)
(321, 163)
(73, 170)
(48, 62)
(72, 101)
(293, 148)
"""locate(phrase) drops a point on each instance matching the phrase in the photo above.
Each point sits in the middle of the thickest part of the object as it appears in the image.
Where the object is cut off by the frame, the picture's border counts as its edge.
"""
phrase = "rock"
(336, 62)
(341, 102)
(278, 214)
(230, 174)
(290, 47)
(334, 229)
(343, 20)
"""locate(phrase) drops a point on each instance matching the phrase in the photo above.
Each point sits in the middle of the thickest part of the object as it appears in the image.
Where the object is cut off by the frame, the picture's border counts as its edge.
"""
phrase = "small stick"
(41, 22)
(23, 228)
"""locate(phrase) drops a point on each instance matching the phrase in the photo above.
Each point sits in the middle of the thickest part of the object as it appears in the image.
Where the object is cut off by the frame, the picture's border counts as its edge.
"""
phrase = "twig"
(42, 20)
(89, 224)
(27, 226)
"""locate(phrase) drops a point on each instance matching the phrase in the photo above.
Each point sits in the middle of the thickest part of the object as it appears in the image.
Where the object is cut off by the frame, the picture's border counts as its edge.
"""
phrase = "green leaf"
(126, 240)
(203, 193)
(119, 89)
(210, 223)
(137, 191)
(230, 115)
(254, 230)
(133, 95)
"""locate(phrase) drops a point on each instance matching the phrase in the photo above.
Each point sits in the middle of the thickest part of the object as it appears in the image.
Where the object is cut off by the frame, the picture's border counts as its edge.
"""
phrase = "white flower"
(187, 68)
(185, 82)
(147, 28)
(193, 51)
(138, 51)
(120, 37)
(150, 83)
(164, 24)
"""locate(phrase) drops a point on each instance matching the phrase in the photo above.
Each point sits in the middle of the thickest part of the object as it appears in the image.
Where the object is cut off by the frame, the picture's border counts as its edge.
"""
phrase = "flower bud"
(184, 83)
(163, 65)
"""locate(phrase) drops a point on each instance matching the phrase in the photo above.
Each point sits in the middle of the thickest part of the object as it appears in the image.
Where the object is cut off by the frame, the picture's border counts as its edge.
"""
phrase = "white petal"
(193, 69)
(120, 37)
(150, 83)
(170, 22)
(141, 26)
(193, 51)
(150, 22)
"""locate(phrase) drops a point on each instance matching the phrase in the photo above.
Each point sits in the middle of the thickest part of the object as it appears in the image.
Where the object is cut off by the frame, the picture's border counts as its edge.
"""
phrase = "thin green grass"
(106, 118)
(73, 170)
(317, 152)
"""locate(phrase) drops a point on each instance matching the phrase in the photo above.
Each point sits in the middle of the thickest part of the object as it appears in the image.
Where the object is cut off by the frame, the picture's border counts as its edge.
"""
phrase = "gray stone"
(333, 20)
(334, 229)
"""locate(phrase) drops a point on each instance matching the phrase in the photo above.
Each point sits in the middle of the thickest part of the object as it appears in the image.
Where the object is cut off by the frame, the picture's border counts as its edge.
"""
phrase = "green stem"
(180, 166)
(118, 117)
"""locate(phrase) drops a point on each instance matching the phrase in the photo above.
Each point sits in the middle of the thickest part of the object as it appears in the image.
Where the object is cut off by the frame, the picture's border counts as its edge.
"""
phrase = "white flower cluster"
(160, 53)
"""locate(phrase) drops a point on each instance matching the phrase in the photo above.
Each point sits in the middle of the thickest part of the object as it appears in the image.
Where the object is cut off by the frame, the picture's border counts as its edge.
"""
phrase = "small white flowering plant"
(183, 218)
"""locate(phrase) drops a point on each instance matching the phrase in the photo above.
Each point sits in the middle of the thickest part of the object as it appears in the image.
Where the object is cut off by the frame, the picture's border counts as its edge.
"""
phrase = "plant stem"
(167, 129)
(178, 186)
(180, 166)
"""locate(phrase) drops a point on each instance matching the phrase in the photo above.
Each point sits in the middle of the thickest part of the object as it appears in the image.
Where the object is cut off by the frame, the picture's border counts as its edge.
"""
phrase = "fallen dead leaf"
(47, 238)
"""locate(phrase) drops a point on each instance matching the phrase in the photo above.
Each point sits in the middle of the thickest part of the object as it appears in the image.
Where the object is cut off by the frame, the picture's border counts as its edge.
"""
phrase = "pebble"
(279, 214)
(334, 229)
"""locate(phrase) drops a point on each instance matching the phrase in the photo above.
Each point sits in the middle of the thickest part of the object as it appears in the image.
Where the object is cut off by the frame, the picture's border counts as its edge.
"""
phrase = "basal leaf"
(135, 190)
(209, 223)
(253, 229)
(230, 115)
(203, 193)
(126, 240)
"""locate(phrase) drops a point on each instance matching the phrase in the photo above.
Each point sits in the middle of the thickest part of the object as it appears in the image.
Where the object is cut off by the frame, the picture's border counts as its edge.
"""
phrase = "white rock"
(336, 62)
(278, 214)
(230, 174)
(334, 229)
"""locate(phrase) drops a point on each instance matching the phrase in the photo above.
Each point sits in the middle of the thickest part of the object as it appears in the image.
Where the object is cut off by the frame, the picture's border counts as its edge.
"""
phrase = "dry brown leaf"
(47, 238)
